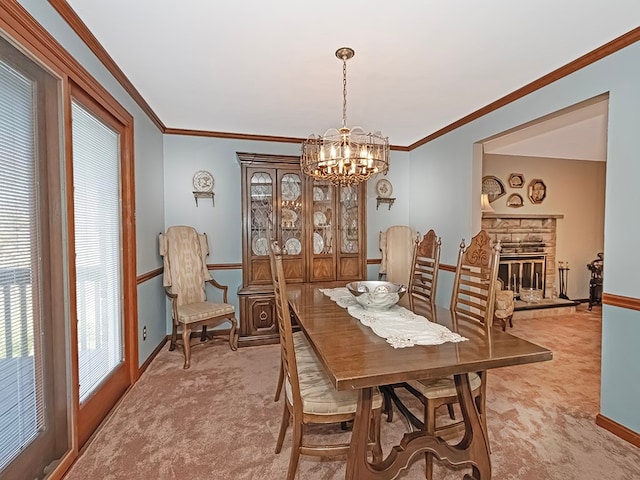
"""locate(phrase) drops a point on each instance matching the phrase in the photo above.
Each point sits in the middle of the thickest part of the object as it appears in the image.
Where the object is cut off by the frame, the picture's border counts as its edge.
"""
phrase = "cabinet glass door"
(322, 217)
(261, 191)
(291, 214)
(349, 220)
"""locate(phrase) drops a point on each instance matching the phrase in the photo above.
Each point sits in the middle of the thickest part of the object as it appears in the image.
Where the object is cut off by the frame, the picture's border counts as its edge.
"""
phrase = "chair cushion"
(504, 304)
(443, 386)
(318, 394)
(195, 312)
(300, 342)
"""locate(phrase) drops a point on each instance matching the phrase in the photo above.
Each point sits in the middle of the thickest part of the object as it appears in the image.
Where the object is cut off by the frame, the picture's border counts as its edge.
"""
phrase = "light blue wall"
(384, 217)
(445, 179)
(620, 397)
(184, 155)
(148, 172)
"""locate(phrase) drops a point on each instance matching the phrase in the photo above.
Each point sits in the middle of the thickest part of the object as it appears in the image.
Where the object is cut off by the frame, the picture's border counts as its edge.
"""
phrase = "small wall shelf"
(198, 195)
(387, 200)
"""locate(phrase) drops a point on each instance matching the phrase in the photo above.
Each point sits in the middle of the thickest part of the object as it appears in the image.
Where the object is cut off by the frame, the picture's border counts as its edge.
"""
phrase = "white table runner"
(399, 326)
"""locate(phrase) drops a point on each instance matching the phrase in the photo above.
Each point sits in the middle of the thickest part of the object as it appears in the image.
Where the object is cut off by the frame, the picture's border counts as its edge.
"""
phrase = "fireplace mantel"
(527, 216)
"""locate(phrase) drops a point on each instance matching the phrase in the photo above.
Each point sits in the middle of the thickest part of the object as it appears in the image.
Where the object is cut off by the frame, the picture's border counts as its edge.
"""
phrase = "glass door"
(350, 220)
(35, 384)
(261, 211)
(291, 214)
(103, 368)
(350, 228)
(322, 217)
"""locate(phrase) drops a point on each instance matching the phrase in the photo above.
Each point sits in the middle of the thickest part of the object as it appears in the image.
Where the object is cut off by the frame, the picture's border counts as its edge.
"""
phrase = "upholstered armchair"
(504, 305)
(397, 244)
(184, 252)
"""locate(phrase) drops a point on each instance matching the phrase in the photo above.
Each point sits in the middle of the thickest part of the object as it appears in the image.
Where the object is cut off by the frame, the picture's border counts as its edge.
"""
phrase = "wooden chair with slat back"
(300, 342)
(474, 285)
(310, 397)
(421, 291)
(424, 274)
(472, 297)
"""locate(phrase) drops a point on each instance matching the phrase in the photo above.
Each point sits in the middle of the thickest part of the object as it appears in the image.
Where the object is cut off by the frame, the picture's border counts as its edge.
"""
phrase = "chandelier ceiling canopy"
(345, 156)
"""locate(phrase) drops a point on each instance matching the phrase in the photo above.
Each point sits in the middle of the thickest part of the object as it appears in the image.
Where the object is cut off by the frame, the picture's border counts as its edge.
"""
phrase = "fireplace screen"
(522, 270)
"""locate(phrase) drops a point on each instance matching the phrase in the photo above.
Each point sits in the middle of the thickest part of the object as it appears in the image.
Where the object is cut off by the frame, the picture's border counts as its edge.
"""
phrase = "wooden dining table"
(355, 358)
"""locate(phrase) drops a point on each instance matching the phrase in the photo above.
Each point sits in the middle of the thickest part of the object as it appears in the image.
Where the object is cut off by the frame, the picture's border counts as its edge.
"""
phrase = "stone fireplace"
(528, 255)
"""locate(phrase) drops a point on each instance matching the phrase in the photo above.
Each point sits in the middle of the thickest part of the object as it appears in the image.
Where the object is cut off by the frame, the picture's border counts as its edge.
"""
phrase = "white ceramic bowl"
(376, 295)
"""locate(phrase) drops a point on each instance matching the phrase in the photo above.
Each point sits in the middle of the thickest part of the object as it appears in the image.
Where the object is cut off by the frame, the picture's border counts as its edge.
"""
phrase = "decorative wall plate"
(289, 217)
(516, 180)
(318, 243)
(202, 181)
(493, 187)
(293, 246)
(290, 190)
(318, 194)
(515, 201)
(319, 219)
(384, 188)
(260, 246)
(537, 191)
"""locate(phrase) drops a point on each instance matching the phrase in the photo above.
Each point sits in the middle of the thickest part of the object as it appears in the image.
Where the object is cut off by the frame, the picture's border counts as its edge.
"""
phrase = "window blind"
(96, 178)
(21, 385)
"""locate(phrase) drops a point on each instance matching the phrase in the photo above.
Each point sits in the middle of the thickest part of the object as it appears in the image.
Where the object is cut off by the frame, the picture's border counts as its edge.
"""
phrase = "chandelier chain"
(344, 92)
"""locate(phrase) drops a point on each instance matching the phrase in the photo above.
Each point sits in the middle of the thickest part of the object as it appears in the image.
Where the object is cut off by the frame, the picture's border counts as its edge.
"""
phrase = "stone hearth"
(525, 236)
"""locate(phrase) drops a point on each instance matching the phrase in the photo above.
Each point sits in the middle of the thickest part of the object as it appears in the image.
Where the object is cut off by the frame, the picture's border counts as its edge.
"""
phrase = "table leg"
(472, 450)
(357, 456)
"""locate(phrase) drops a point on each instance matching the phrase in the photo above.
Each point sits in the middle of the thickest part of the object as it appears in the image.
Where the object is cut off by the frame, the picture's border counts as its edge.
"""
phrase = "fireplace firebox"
(523, 271)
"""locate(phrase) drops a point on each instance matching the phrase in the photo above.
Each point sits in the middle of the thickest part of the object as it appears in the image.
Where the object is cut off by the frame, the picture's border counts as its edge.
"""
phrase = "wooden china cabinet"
(320, 228)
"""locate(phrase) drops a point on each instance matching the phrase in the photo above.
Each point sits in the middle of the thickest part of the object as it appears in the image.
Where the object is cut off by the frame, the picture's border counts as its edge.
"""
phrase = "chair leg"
(283, 428)
(203, 334)
(233, 336)
(511, 320)
(186, 345)
(174, 336)
(296, 442)
(387, 403)
(452, 414)
(280, 383)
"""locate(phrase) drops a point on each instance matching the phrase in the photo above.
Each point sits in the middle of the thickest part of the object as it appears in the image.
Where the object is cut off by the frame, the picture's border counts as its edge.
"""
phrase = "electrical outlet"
(144, 332)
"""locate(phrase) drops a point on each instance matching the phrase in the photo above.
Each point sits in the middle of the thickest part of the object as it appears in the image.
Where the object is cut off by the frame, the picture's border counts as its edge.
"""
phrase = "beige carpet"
(218, 419)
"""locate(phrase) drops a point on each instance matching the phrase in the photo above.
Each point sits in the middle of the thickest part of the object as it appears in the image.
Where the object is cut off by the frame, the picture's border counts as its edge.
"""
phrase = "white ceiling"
(575, 134)
(268, 67)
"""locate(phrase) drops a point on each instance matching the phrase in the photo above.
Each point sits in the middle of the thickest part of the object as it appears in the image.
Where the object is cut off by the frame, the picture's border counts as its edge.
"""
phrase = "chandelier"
(345, 156)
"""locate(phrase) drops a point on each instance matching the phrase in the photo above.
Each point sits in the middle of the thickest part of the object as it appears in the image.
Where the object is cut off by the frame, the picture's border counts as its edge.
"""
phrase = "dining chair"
(310, 397)
(423, 278)
(472, 297)
(396, 247)
(184, 252)
(300, 343)
(423, 281)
